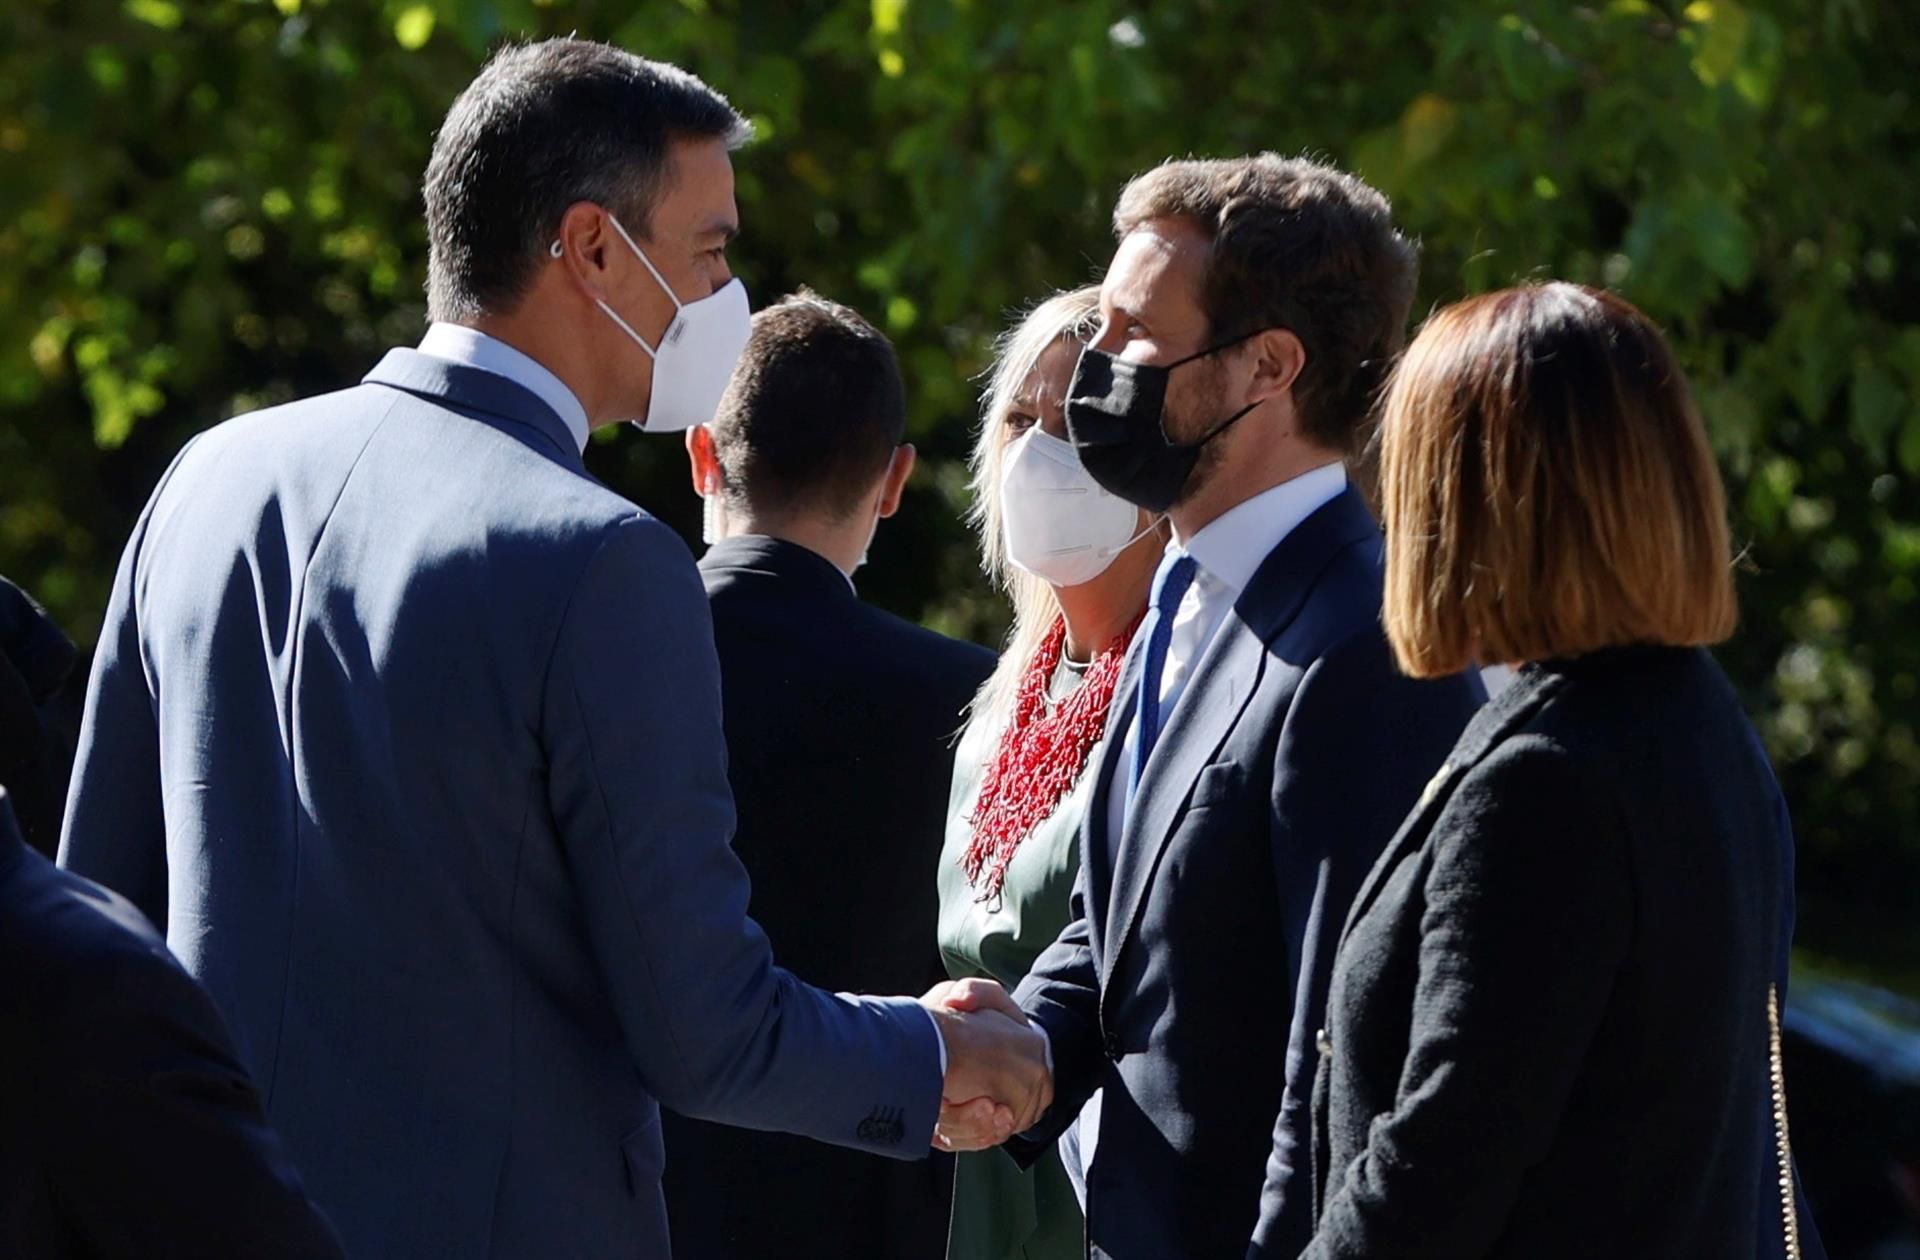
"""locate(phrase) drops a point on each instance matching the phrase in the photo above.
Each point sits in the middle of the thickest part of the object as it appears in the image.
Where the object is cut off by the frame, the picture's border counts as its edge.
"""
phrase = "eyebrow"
(725, 229)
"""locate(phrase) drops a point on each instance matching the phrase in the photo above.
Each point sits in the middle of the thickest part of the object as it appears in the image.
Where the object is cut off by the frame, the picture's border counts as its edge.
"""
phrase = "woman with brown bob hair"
(1553, 1028)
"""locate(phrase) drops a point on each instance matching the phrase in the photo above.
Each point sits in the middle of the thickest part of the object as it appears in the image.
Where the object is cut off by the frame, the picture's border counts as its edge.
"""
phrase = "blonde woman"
(1077, 563)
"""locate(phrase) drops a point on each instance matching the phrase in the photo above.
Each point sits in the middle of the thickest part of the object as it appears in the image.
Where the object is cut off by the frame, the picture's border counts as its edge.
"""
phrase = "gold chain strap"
(1789, 1212)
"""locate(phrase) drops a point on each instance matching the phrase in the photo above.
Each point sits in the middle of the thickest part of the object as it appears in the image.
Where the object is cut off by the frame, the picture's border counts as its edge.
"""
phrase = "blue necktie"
(1169, 588)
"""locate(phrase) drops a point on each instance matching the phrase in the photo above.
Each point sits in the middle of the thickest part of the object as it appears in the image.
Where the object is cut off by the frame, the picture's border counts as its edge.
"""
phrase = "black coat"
(1191, 981)
(128, 1127)
(1548, 1033)
(840, 724)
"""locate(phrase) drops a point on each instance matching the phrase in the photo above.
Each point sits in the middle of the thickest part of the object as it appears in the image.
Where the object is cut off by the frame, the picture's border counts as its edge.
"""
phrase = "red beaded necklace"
(1040, 758)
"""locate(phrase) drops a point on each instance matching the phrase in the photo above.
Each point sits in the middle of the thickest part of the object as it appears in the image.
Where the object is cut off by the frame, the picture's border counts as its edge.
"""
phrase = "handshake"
(998, 1082)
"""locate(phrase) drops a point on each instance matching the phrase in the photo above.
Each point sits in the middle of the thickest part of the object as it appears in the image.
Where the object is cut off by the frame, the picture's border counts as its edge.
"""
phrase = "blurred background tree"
(210, 205)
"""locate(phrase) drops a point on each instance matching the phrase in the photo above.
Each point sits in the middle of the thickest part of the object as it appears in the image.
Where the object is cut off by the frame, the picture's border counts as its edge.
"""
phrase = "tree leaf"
(414, 27)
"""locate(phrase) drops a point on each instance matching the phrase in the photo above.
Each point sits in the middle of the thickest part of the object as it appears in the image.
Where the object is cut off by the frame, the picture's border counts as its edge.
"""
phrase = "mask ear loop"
(1146, 529)
(555, 251)
(710, 510)
(646, 262)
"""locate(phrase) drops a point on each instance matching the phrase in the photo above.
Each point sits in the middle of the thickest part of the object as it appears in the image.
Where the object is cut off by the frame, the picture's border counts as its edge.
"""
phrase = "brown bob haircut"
(1547, 487)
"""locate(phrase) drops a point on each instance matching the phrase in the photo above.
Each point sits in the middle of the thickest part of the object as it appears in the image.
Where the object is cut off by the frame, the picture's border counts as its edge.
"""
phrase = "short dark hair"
(543, 126)
(814, 410)
(1297, 244)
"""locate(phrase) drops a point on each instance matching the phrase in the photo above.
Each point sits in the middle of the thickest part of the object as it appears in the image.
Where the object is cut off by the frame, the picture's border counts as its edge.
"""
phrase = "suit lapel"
(1506, 713)
(1222, 683)
(1225, 679)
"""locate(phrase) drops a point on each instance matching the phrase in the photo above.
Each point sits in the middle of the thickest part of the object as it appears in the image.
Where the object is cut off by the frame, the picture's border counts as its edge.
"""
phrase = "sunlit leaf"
(160, 13)
(414, 27)
(887, 15)
(1724, 37)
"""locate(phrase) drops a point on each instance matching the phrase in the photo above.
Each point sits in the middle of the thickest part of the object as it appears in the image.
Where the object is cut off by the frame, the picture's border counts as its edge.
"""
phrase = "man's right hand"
(997, 1081)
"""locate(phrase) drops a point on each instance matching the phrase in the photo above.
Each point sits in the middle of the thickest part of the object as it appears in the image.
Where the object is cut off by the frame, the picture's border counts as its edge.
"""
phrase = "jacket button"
(1113, 1047)
(1323, 1043)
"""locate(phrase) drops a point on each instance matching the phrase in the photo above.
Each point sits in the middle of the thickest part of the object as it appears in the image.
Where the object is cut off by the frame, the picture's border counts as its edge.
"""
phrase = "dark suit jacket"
(840, 723)
(1194, 974)
(128, 1127)
(1548, 1032)
(409, 730)
(35, 659)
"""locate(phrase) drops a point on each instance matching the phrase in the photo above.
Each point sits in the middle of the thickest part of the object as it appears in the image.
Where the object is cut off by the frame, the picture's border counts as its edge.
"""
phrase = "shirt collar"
(457, 343)
(1232, 546)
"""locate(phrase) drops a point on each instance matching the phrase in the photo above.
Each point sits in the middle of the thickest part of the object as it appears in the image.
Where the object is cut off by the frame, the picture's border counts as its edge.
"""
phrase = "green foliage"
(208, 206)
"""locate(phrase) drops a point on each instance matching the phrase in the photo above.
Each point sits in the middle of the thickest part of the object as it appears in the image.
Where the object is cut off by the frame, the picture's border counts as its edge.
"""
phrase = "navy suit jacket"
(409, 731)
(1190, 984)
(840, 722)
(128, 1127)
(35, 660)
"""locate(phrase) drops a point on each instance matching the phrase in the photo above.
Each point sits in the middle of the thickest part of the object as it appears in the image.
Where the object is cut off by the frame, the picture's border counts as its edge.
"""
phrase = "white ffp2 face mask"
(696, 355)
(1058, 523)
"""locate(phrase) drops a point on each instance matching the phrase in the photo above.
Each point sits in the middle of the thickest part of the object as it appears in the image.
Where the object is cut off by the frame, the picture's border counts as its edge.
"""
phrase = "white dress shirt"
(1228, 551)
(470, 347)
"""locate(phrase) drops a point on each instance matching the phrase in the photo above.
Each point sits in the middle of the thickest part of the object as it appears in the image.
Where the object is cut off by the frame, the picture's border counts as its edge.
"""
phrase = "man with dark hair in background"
(840, 721)
(408, 730)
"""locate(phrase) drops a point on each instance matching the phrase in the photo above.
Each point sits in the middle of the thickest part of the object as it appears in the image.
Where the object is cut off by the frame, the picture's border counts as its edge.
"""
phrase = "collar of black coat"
(1282, 582)
(473, 390)
(1537, 683)
(765, 556)
(1531, 688)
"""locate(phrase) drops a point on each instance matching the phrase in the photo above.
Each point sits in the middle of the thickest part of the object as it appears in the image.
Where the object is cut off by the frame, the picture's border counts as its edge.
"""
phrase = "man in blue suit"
(409, 731)
(1269, 748)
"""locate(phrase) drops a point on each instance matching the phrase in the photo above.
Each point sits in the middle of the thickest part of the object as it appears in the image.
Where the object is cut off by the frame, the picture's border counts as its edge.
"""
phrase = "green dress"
(1000, 1212)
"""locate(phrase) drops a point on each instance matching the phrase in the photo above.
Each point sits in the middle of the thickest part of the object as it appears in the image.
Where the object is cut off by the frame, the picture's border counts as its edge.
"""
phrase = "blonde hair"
(1547, 487)
(1071, 315)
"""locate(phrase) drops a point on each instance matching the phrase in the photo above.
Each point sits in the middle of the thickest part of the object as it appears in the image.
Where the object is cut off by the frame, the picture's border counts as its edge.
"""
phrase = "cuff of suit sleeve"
(940, 1039)
(1046, 1049)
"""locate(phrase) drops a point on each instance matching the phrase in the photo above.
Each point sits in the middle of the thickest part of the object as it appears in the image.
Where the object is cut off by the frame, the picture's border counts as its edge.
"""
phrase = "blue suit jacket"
(409, 731)
(1191, 983)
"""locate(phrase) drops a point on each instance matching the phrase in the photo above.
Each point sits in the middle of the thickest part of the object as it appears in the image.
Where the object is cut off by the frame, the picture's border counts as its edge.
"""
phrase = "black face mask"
(1115, 417)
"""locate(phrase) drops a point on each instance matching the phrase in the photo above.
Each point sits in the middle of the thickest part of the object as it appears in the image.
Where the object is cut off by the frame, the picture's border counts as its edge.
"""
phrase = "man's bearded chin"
(1192, 417)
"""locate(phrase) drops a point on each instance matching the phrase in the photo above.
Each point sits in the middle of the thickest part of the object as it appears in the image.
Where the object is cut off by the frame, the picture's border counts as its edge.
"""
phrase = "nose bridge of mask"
(658, 279)
(1056, 451)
